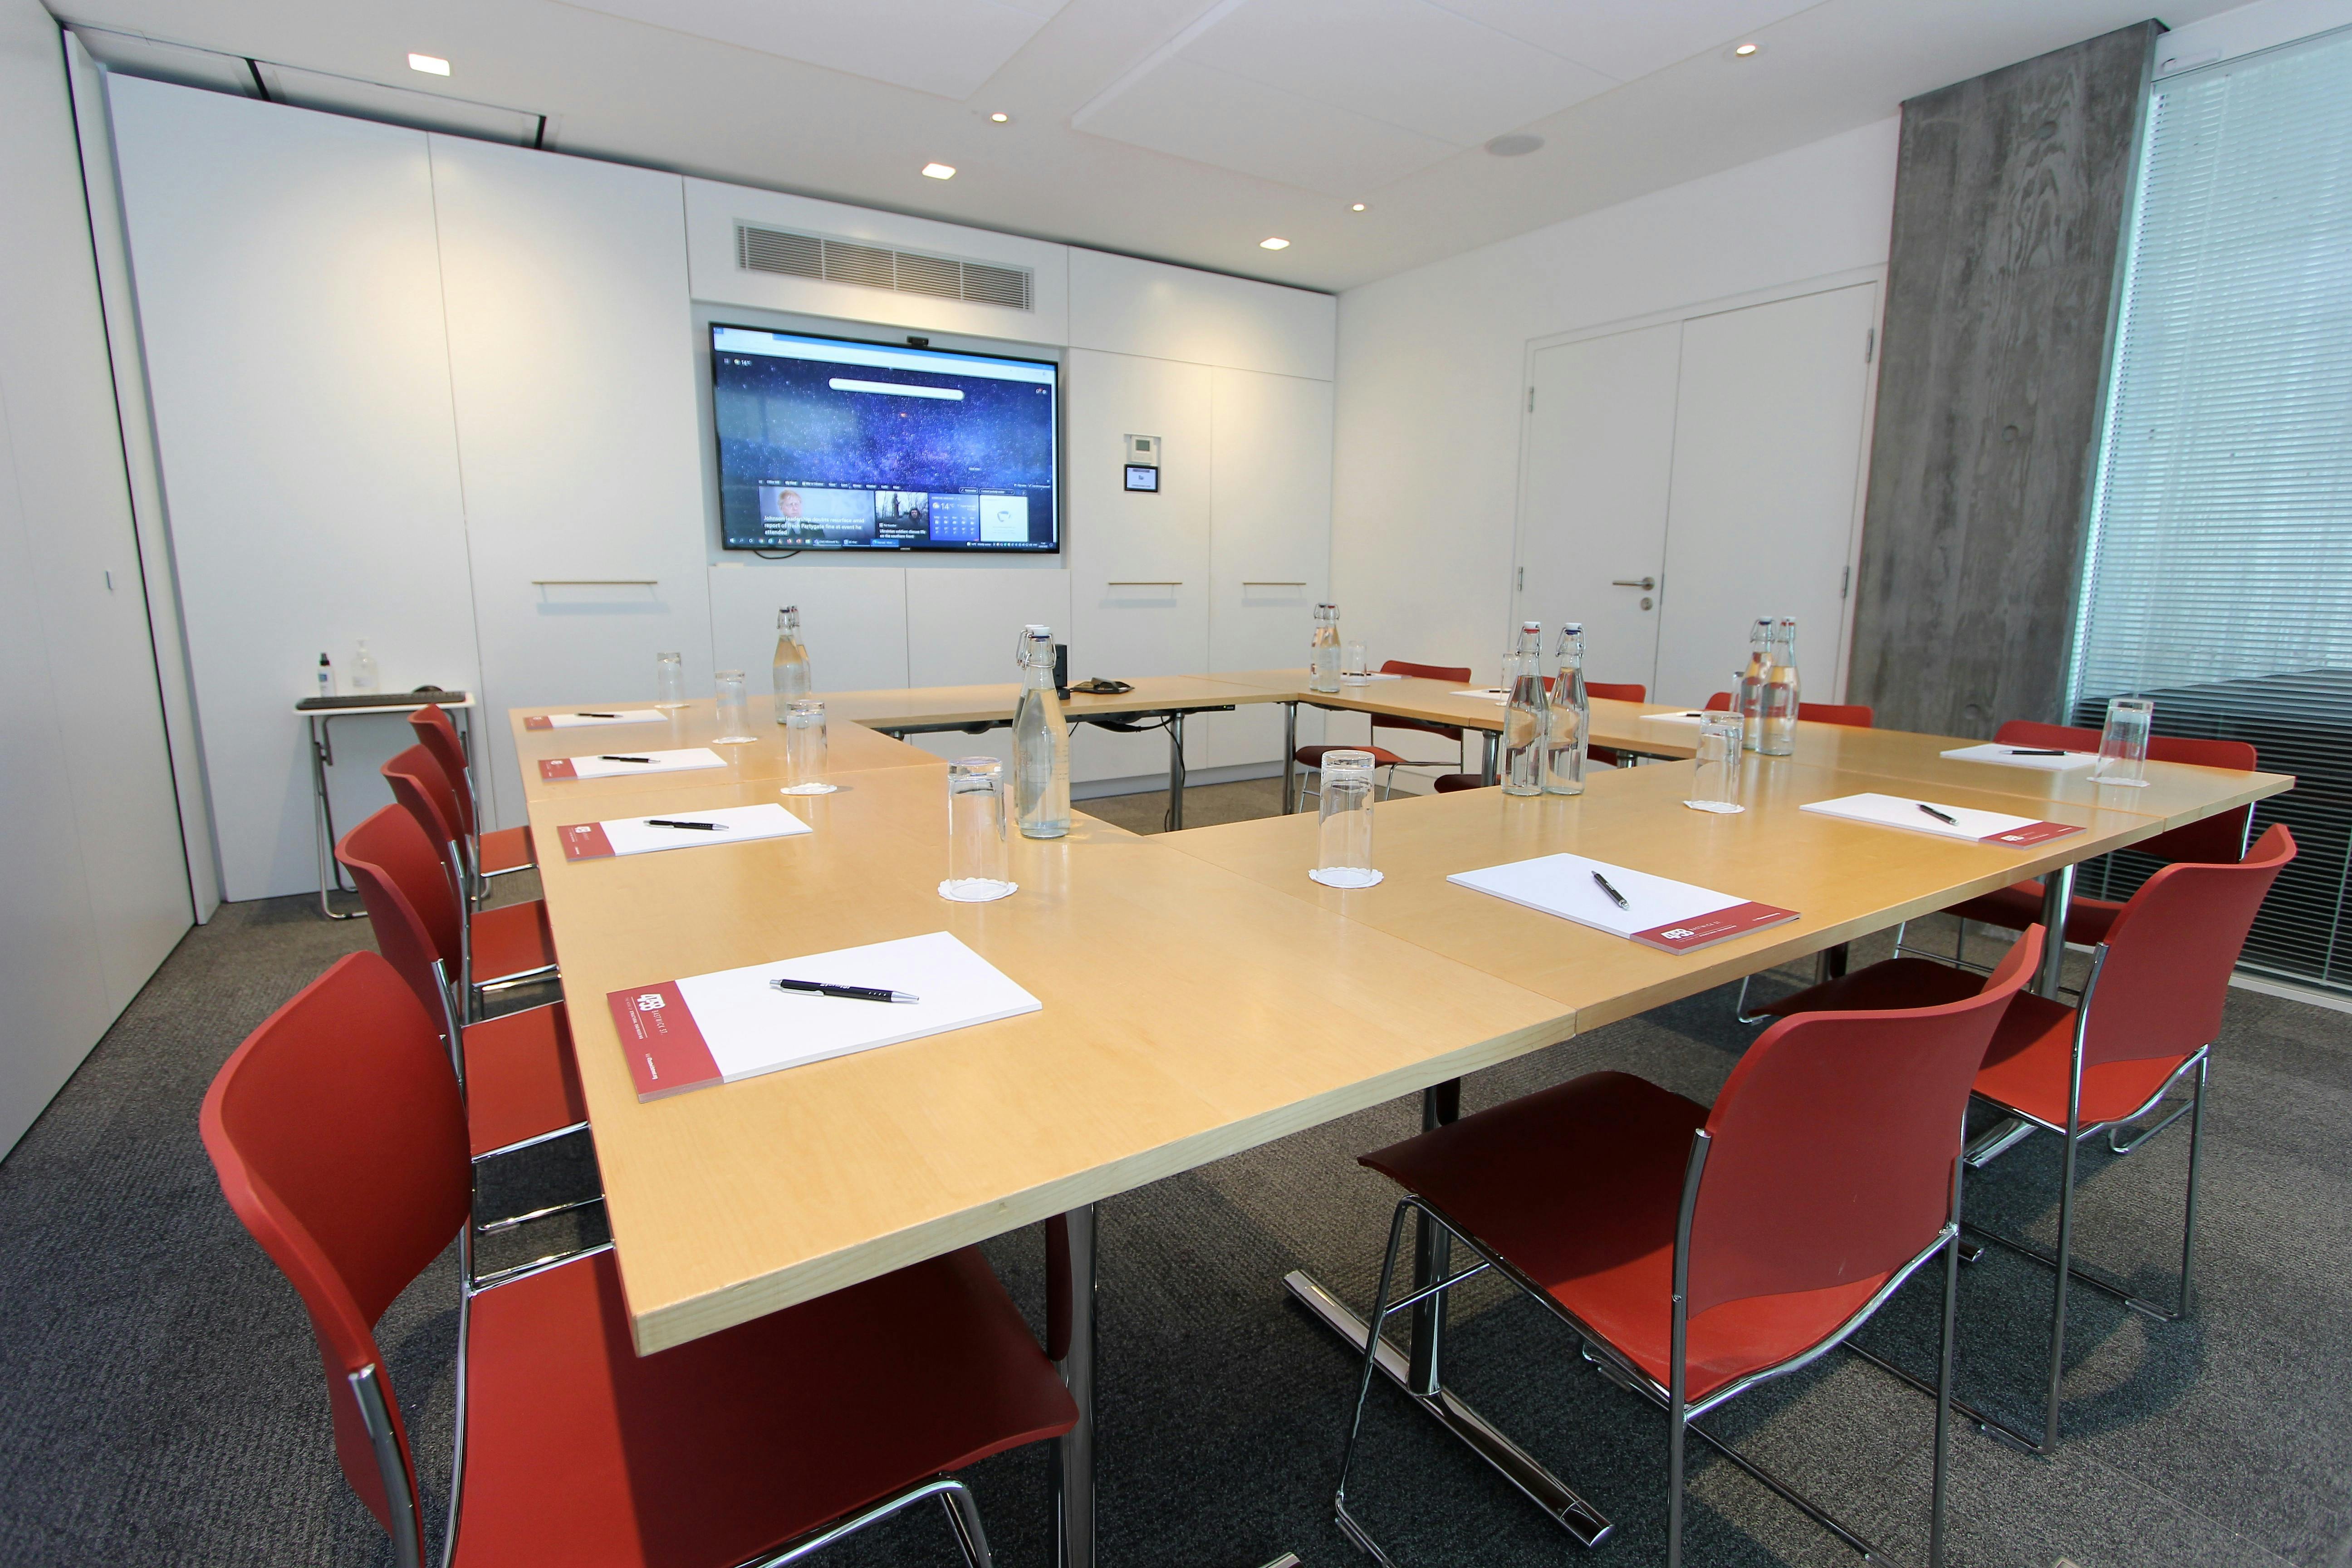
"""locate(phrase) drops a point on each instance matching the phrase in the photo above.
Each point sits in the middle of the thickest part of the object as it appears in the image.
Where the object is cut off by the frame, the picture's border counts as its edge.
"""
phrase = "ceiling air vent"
(760, 249)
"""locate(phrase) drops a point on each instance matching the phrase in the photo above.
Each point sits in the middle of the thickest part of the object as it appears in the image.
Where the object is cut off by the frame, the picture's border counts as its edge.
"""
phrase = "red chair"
(497, 853)
(1451, 784)
(521, 1080)
(1606, 692)
(1311, 757)
(338, 1140)
(1702, 1252)
(1852, 715)
(498, 948)
(2214, 840)
(2148, 1015)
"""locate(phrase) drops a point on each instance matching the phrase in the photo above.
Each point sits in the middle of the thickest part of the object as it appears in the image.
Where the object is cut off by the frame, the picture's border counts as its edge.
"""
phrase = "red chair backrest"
(2214, 839)
(2170, 952)
(1458, 674)
(419, 784)
(1609, 693)
(1852, 715)
(410, 903)
(439, 737)
(1451, 784)
(1834, 1139)
(340, 1142)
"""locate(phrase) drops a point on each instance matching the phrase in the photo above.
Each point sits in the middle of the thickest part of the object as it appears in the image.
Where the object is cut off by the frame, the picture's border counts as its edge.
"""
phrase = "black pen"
(605, 757)
(1616, 897)
(846, 992)
(2037, 751)
(595, 715)
(697, 826)
(1940, 816)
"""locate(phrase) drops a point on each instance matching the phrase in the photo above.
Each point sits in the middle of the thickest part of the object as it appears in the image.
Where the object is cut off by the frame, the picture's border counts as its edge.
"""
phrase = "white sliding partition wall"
(2220, 572)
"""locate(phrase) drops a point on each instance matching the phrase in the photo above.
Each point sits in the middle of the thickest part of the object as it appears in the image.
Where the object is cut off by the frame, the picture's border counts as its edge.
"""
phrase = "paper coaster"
(809, 789)
(975, 891)
(1720, 807)
(1336, 878)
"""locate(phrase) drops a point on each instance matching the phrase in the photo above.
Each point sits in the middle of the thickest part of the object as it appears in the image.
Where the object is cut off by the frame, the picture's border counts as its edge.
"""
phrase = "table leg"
(1831, 962)
(1289, 756)
(1492, 740)
(2057, 893)
(1073, 1480)
(322, 818)
(1176, 772)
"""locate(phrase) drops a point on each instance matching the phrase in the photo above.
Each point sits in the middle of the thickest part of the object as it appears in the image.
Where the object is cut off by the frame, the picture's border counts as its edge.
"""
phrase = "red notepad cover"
(1705, 931)
(586, 841)
(2032, 833)
(539, 721)
(557, 768)
(666, 1051)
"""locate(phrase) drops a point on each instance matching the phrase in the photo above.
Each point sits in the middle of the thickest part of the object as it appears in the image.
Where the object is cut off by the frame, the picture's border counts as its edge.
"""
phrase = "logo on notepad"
(1678, 933)
(651, 1001)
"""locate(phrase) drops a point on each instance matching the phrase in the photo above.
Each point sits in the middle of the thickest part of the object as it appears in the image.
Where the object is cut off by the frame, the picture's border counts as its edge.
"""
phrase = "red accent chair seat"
(1850, 715)
(505, 946)
(1311, 757)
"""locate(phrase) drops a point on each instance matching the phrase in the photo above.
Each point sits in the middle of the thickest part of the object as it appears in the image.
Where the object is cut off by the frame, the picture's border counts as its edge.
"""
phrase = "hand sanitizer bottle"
(794, 680)
(325, 677)
(363, 676)
(1527, 719)
(1570, 716)
(1041, 743)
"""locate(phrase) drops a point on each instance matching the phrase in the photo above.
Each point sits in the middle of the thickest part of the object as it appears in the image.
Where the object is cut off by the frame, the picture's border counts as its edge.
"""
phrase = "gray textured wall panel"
(2009, 198)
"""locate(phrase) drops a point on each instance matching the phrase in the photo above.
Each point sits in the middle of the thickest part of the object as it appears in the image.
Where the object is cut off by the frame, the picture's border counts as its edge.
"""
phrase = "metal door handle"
(1646, 585)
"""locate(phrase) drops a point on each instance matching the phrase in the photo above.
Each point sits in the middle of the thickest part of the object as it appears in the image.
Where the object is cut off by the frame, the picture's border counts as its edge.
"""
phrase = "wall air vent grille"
(760, 249)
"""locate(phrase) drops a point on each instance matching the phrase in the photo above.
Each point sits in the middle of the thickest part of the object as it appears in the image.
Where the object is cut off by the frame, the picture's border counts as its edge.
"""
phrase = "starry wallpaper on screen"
(779, 420)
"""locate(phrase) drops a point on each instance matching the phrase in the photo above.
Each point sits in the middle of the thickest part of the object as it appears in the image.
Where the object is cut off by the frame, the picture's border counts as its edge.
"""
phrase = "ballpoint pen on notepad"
(595, 715)
(605, 757)
(697, 826)
(2037, 751)
(846, 992)
(1616, 897)
(1942, 817)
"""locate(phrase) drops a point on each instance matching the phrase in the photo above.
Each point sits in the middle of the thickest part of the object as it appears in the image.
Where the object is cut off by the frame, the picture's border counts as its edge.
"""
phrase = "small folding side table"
(320, 712)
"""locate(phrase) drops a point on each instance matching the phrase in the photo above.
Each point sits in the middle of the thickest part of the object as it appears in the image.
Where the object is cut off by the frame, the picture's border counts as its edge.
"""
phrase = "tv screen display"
(827, 444)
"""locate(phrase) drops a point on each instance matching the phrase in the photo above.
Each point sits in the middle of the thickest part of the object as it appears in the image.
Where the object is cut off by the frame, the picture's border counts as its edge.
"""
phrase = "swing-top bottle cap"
(1530, 625)
(1039, 631)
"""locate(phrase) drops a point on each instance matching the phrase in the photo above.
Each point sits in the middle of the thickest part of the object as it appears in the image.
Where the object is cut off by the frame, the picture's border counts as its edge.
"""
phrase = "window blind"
(2218, 572)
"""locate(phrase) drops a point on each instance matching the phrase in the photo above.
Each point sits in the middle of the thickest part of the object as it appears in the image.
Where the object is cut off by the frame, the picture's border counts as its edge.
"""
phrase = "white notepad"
(1674, 917)
(1993, 752)
(684, 759)
(590, 720)
(1491, 693)
(1976, 827)
(732, 1024)
(637, 836)
(1686, 717)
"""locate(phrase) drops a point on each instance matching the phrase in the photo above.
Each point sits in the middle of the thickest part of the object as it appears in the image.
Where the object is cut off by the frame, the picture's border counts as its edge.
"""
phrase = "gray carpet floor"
(160, 1394)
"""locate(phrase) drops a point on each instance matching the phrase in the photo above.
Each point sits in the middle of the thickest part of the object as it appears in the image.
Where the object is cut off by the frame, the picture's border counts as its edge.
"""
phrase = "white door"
(1592, 525)
(1766, 485)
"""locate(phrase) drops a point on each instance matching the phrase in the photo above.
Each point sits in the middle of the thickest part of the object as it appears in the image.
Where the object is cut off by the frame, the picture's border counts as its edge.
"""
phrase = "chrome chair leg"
(2058, 1305)
(2189, 1224)
(1939, 1485)
(1739, 1005)
(963, 1521)
(1340, 1516)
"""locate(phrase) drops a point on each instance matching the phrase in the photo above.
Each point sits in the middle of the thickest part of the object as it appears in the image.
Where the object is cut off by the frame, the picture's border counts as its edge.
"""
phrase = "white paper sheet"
(736, 825)
(2002, 756)
(685, 760)
(603, 717)
(1903, 812)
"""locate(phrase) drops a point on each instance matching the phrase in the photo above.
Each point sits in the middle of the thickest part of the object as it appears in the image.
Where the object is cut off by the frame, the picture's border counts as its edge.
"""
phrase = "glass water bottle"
(1748, 701)
(1780, 693)
(1527, 721)
(793, 680)
(1041, 742)
(1570, 719)
(1323, 650)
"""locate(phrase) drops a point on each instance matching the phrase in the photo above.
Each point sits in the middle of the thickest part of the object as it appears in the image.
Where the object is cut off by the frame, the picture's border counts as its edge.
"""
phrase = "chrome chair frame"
(407, 1503)
(1388, 789)
(1682, 1414)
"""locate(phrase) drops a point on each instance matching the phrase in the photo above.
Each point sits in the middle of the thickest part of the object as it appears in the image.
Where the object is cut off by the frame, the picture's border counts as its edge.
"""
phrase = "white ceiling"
(1186, 130)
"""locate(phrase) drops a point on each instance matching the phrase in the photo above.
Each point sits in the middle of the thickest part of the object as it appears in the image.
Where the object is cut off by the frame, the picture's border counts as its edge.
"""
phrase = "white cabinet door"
(1269, 549)
(1138, 562)
(1766, 488)
(289, 301)
(1601, 453)
(572, 359)
(852, 623)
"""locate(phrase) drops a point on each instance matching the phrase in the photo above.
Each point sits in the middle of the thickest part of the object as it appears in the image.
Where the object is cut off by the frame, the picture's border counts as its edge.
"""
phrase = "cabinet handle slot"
(1269, 583)
(1154, 583)
(595, 582)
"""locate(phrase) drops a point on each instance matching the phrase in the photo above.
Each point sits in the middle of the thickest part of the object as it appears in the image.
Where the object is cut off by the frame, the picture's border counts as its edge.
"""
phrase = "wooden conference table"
(1201, 995)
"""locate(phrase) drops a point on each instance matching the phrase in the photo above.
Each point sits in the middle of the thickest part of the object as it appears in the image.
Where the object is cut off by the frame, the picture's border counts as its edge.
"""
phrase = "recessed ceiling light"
(1001, 118)
(1746, 51)
(939, 171)
(1273, 244)
(431, 64)
(1518, 144)
(1357, 208)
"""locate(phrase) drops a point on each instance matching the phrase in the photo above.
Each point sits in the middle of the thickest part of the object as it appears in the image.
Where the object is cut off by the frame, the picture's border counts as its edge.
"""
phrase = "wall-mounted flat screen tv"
(829, 444)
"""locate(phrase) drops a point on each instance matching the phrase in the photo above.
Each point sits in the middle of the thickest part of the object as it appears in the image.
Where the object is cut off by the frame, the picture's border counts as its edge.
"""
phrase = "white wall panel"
(1121, 305)
(290, 306)
(713, 209)
(852, 621)
(571, 365)
(961, 628)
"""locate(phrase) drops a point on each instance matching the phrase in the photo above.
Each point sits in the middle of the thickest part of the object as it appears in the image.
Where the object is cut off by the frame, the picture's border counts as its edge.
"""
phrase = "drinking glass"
(1355, 666)
(1343, 825)
(2123, 744)
(670, 680)
(734, 710)
(1716, 785)
(977, 870)
(804, 749)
